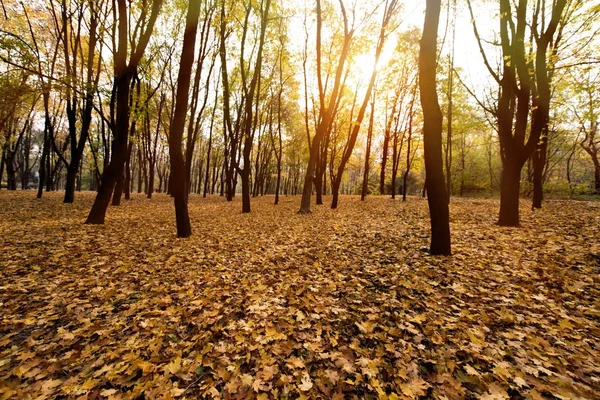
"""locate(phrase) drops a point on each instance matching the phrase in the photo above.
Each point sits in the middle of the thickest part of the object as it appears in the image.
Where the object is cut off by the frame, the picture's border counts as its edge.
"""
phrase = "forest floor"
(336, 304)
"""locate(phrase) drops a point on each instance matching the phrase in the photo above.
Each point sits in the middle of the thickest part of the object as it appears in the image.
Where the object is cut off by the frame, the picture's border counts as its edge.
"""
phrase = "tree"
(588, 120)
(327, 104)
(516, 88)
(546, 46)
(389, 12)
(179, 178)
(432, 133)
(365, 183)
(79, 72)
(123, 74)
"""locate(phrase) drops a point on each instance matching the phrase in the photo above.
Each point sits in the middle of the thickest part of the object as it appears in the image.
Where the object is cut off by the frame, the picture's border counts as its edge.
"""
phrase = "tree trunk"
(432, 133)
(408, 159)
(597, 178)
(123, 76)
(140, 167)
(319, 173)
(365, 182)
(245, 191)
(509, 194)
(539, 163)
(179, 181)
(11, 179)
(120, 182)
(2, 162)
(384, 157)
(335, 190)
(128, 179)
(70, 183)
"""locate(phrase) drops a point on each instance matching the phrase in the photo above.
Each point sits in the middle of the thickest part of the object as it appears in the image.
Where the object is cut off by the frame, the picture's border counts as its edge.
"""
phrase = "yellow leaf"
(519, 381)
(89, 384)
(471, 371)
(566, 324)
(419, 319)
(145, 366)
(50, 384)
(174, 366)
(246, 380)
(306, 383)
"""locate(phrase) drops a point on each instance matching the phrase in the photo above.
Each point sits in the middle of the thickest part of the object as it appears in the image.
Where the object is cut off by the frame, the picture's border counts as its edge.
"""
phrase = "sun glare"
(364, 63)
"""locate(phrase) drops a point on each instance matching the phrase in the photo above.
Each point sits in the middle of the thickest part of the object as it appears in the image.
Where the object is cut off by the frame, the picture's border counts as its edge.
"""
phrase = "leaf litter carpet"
(336, 304)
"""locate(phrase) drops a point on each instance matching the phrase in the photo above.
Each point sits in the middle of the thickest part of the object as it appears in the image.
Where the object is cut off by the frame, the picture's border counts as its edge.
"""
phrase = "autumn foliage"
(342, 303)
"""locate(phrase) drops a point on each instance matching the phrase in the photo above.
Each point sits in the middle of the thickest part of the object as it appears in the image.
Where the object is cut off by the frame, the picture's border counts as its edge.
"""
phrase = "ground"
(336, 304)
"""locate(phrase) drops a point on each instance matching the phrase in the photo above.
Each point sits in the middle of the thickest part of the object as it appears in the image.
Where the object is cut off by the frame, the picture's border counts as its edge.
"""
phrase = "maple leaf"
(295, 362)
(246, 380)
(174, 366)
(520, 382)
(50, 384)
(471, 371)
(306, 383)
(414, 388)
(495, 392)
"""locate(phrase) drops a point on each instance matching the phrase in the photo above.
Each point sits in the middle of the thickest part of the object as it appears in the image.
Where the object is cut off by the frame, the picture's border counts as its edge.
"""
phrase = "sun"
(364, 62)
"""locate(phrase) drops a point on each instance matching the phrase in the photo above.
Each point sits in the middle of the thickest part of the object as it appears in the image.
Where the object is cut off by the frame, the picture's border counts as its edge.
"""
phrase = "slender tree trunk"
(123, 76)
(365, 182)
(432, 133)
(2, 162)
(179, 181)
(539, 163)
(127, 182)
(335, 190)
(140, 167)
(384, 157)
(408, 158)
(120, 183)
(208, 153)
(597, 177)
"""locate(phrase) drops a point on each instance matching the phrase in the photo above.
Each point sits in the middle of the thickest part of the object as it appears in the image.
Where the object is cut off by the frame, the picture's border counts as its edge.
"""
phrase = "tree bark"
(432, 133)
(179, 181)
(123, 75)
(510, 186)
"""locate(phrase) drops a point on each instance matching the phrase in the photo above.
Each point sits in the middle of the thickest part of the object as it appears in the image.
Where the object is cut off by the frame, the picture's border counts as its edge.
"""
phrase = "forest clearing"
(340, 303)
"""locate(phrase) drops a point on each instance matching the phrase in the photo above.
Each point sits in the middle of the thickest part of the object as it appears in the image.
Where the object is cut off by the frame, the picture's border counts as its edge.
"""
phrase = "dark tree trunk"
(384, 157)
(123, 76)
(179, 181)
(208, 153)
(326, 111)
(116, 199)
(365, 182)
(510, 187)
(320, 172)
(245, 191)
(539, 163)
(2, 162)
(408, 158)
(72, 170)
(432, 133)
(11, 179)
(335, 190)
(140, 167)
(597, 178)
(127, 183)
